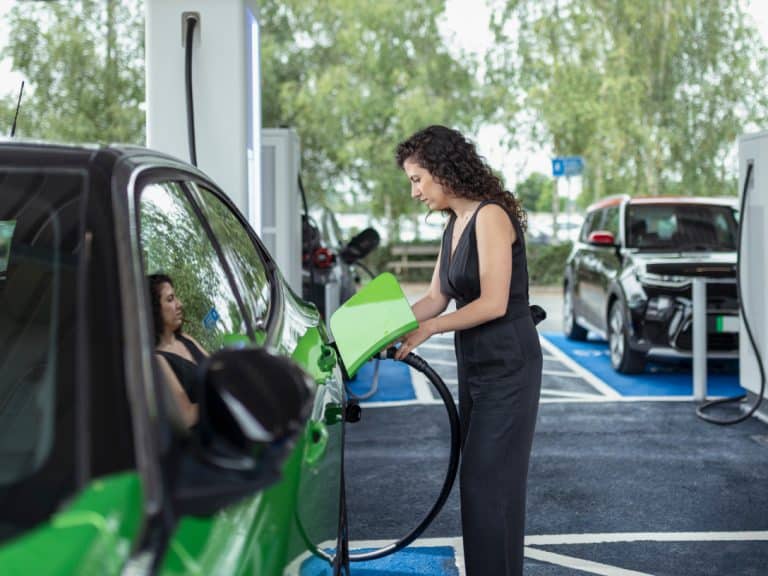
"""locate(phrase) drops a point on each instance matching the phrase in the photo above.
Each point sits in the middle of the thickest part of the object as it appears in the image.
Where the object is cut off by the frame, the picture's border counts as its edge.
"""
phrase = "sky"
(466, 24)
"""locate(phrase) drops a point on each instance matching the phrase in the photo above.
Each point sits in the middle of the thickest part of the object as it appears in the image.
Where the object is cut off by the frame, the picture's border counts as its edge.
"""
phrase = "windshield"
(39, 243)
(681, 227)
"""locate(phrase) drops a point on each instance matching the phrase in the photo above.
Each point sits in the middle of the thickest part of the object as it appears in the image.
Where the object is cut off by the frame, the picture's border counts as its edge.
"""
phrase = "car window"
(174, 242)
(40, 243)
(682, 227)
(610, 221)
(249, 270)
(590, 224)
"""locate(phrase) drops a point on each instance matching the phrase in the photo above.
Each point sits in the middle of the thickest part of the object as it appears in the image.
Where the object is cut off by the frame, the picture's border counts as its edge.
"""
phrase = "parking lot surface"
(619, 484)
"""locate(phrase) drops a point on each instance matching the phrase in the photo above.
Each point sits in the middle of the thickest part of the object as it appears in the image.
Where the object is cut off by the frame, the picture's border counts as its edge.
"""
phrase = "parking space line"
(421, 387)
(397, 403)
(567, 394)
(590, 378)
(613, 537)
(435, 346)
(580, 564)
(561, 374)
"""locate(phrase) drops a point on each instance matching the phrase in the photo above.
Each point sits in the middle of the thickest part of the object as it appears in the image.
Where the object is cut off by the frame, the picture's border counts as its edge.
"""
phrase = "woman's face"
(170, 308)
(424, 188)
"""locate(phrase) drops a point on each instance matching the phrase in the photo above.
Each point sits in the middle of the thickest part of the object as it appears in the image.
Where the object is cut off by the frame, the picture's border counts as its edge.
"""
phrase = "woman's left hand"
(411, 340)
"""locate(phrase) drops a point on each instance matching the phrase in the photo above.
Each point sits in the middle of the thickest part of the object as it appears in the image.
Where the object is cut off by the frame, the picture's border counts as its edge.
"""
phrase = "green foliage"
(546, 263)
(83, 62)
(652, 94)
(355, 79)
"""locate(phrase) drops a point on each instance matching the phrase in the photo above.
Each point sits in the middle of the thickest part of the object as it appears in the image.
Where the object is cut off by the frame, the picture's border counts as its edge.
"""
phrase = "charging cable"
(191, 23)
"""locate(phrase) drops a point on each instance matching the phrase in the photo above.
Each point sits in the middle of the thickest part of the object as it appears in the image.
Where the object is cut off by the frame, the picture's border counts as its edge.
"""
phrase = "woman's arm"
(495, 236)
(187, 410)
(434, 302)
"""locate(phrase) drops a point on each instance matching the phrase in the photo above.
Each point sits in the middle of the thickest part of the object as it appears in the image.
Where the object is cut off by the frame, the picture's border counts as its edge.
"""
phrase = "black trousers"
(499, 369)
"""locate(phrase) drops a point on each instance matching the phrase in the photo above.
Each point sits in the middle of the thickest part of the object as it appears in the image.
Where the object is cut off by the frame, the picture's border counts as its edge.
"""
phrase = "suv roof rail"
(613, 200)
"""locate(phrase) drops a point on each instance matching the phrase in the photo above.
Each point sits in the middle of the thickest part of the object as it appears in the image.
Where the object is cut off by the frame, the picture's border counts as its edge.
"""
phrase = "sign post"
(564, 166)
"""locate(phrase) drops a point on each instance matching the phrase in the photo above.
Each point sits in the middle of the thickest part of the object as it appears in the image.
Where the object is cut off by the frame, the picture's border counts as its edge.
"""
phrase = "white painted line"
(580, 564)
(591, 379)
(438, 362)
(421, 386)
(398, 403)
(561, 373)
(435, 346)
(613, 537)
(567, 394)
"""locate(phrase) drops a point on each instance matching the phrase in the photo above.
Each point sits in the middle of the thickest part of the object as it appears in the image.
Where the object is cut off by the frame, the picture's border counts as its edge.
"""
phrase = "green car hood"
(377, 315)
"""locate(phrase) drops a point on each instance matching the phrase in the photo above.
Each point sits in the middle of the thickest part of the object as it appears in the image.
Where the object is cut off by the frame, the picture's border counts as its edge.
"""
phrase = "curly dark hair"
(454, 163)
(156, 282)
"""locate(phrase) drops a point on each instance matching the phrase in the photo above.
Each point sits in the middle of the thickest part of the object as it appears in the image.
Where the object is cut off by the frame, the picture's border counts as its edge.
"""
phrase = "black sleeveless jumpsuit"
(499, 369)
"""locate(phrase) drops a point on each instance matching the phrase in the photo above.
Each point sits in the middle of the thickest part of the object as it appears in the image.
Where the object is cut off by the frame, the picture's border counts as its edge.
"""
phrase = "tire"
(623, 358)
(571, 329)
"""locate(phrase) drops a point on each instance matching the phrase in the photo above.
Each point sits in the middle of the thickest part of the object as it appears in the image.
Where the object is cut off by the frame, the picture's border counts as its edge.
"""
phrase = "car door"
(175, 240)
(607, 266)
(294, 329)
(580, 265)
(590, 266)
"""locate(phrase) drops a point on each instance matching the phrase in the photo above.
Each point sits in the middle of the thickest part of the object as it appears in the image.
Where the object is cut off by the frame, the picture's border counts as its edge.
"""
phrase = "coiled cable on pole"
(191, 23)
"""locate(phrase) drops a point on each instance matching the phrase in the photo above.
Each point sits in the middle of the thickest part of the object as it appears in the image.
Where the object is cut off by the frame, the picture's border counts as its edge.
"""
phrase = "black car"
(629, 276)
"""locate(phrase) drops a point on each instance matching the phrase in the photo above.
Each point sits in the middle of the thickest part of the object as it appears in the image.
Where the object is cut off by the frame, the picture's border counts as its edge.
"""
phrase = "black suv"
(629, 276)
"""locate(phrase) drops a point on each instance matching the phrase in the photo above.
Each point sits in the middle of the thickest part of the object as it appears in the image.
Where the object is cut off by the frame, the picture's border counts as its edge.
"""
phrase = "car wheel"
(572, 330)
(623, 358)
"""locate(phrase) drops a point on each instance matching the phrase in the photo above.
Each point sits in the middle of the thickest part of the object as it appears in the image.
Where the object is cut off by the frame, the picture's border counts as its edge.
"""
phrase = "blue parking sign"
(567, 166)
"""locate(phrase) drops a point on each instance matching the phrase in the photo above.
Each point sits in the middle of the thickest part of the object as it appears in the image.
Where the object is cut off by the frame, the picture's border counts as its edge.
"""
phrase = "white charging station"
(753, 150)
(281, 201)
(226, 88)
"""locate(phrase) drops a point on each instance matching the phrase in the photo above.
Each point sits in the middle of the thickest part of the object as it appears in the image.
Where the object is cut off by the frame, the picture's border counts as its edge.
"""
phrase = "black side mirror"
(360, 246)
(253, 405)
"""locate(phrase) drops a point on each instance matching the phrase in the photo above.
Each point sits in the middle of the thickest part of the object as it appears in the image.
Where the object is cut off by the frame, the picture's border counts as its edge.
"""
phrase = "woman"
(178, 354)
(482, 265)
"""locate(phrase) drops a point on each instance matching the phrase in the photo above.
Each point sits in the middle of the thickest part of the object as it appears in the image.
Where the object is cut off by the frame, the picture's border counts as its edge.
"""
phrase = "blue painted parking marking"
(416, 561)
(394, 382)
(673, 379)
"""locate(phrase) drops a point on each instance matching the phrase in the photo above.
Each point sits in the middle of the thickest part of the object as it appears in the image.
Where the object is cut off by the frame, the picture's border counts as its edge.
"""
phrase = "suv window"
(40, 243)
(610, 221)
(248, 268)
(682, 227)
(591, 223)
(175, 242)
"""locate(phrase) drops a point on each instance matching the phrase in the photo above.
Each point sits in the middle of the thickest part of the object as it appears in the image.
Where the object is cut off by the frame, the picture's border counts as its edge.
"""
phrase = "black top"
(185, 370)
(460, 272)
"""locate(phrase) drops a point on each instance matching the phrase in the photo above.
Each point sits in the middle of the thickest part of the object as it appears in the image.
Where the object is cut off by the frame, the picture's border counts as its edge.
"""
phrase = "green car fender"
(93, 536)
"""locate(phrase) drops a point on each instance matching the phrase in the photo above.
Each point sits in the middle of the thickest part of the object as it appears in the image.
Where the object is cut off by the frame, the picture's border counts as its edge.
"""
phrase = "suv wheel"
(623, 358)
(572, 330)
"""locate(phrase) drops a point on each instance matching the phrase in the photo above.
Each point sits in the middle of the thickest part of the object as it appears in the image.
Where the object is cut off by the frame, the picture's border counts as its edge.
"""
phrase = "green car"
(97, 474)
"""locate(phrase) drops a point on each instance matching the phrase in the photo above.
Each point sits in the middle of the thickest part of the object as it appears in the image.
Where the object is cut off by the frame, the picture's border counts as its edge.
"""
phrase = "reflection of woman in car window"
(178, 354)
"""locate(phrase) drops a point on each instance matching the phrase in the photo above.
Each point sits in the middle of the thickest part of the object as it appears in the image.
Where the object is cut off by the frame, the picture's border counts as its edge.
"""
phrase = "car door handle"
(317, 442)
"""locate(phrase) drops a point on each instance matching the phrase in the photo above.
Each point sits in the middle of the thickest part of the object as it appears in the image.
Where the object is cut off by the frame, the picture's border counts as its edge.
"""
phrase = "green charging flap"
(373, 318)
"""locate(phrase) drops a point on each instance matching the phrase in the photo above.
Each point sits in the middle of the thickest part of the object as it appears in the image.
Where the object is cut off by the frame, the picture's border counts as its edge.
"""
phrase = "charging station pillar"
(753, 257)
(226, 92)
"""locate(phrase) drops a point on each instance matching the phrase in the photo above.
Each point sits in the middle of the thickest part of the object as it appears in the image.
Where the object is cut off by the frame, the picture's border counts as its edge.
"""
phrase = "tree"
(354, 79)
(84, 67)
(652, 94)
(535, 192)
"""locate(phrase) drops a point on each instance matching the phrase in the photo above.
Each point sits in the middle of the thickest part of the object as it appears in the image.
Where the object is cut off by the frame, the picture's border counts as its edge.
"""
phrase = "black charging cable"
(453, 462)
(191, 23)
(700, 411)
